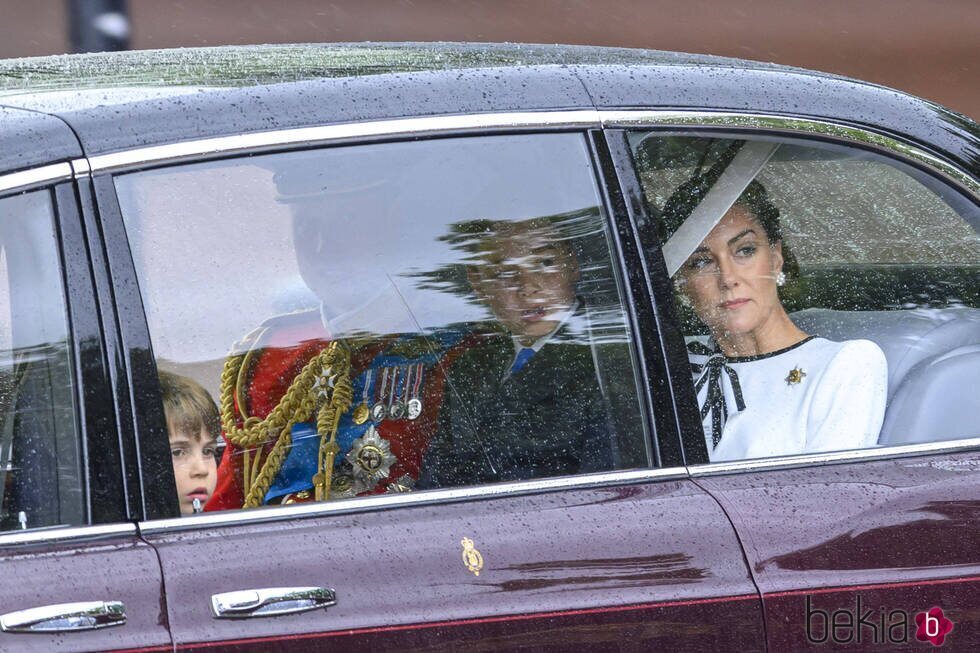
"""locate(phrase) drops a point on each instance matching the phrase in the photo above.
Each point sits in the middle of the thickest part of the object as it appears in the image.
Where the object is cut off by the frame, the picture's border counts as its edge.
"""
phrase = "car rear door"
(605, 561)
(76, 576)
(875, 544)
(626, 554)
(867, 548)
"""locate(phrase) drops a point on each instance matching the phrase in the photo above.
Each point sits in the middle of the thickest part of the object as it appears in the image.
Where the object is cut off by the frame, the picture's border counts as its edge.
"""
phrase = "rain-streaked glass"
(415, 241)
(873, 248)
(40, 474)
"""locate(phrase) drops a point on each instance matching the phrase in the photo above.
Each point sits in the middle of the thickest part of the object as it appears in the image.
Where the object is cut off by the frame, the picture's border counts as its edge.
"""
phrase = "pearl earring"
(781, 278)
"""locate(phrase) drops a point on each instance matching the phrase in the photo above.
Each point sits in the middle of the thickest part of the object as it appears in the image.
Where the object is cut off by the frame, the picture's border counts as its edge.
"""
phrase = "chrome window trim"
(522, 488)
(66, 534)
(80, 168)
(454, 495)
(28, 179)
(424, 498)
(564, 119)
(320, 135)
(861, 455)
(791, 125)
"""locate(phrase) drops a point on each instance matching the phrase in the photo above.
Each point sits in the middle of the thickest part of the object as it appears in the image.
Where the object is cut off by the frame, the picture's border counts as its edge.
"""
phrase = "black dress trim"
(705, 351)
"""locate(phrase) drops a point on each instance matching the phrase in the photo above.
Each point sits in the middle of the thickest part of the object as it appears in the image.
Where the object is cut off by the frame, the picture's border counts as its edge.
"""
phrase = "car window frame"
(104, 503)
(146, 415)
(138, 404)
(734, 124)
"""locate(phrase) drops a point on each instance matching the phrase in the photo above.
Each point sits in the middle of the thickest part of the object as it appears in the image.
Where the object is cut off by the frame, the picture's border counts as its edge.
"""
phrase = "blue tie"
(523, 356)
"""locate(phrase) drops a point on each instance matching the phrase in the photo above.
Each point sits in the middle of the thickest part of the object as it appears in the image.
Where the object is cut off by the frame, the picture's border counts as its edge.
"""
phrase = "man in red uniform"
(339, 401)
(396, 390)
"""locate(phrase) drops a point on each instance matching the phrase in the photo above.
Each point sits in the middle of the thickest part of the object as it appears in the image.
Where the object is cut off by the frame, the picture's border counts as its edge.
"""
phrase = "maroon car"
(360, 347)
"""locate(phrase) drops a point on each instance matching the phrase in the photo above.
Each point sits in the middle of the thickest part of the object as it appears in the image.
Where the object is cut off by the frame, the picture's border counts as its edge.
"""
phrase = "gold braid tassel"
(326, 376)
(327, 422)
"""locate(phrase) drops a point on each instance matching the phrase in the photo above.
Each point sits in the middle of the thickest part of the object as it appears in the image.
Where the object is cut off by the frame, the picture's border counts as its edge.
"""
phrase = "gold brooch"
(471, 557)
(795, 376)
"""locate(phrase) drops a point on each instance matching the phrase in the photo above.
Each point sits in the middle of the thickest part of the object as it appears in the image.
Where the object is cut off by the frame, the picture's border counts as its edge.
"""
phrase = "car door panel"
(65, 540)
(897, 534)
(638, 565)
(114, 568)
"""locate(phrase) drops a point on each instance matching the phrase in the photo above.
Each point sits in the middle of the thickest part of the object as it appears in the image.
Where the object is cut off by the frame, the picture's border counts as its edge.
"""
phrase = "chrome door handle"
(65, 617)
(270, 601)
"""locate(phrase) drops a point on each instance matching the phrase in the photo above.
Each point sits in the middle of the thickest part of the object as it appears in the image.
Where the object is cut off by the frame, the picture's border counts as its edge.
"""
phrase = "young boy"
(526, 401)
(194, 425)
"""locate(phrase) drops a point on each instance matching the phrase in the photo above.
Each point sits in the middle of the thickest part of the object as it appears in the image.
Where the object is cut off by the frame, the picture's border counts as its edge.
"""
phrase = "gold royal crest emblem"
(471, 557)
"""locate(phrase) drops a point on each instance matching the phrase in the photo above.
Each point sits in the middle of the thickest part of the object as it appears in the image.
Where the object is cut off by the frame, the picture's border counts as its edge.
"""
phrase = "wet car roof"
(238, 66)
(118, 101)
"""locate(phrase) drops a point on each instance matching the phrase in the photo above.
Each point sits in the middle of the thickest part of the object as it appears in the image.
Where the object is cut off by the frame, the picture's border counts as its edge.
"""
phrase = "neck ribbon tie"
(714, 401)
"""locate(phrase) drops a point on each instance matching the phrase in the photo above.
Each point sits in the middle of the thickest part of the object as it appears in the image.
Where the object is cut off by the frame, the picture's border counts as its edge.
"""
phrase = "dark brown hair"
(188, 406)
(688, 195)
(755, 198)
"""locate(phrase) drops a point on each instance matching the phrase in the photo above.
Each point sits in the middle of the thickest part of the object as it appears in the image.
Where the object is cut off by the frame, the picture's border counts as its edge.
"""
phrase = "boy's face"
(527, 277)
(195, 468)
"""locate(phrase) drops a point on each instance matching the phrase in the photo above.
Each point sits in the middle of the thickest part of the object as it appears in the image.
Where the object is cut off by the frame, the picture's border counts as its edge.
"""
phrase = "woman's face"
(731, 277)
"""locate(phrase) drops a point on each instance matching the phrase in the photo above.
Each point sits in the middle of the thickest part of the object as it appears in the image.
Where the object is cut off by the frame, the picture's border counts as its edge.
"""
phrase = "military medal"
(362, 412)
(402, 484)
(379, 411)
(344, 484)
(396, 407)
(795, 376)
(370, 458)
(323, 381)
(414, 408)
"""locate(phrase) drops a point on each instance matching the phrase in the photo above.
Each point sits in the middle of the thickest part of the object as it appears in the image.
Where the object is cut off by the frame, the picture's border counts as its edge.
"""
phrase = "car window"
(830, 297)
(390, 317)
(40, 474)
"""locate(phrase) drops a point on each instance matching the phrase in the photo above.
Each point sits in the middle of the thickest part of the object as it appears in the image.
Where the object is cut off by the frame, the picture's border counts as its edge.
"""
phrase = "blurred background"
(930, 48)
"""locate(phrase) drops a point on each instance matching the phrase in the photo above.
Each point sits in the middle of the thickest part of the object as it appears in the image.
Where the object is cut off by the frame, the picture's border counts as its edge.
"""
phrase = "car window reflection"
(392, 318)
(831, 303)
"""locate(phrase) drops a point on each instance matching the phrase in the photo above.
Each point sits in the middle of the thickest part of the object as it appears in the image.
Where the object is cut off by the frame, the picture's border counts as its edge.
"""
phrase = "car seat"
(933, 366)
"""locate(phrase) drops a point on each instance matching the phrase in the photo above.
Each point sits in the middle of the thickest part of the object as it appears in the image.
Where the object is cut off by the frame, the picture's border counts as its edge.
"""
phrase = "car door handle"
(270, 601)
(65, 617)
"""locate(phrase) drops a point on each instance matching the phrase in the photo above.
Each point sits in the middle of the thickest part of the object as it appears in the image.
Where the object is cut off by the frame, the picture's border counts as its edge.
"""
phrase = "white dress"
(816, 395)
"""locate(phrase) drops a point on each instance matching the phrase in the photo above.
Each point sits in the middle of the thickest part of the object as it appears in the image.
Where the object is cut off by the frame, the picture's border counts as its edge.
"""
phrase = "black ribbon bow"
(714, 400)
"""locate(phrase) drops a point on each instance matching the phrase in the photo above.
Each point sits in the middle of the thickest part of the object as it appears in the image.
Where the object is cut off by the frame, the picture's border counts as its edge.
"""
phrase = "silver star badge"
(370, 457)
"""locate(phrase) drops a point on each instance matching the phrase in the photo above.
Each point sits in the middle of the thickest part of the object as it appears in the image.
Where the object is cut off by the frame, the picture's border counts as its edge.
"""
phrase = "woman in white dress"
(766, 388)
